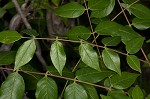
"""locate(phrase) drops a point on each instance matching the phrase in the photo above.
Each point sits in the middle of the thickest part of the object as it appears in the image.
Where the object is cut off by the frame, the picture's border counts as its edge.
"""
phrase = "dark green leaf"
(75, 91)
(101, 8)
(141, 24)
(30, 32)
(7, 57)
(70, 10)
(58, 56)
(124, 81)
(148, 97)
(140, 11)
(89, 56)
(129, 1)
(91, 91)
(78, 32)
(137, 93)
(25, 53)
(134, 45)
(13, 87)
(105, 97)
(56, 2)
(111, 60)
(111, 41)
(9, 5)
(134, 62)
(2, 12)
(46, 89)
(91, 75)
(9, 36)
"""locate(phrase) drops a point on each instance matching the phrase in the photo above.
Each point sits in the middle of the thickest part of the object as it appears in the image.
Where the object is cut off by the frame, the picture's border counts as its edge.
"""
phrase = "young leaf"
(111, 60)
(89, 56)
(104, 9)
(91, 75)
(141, 24)
(91, 91)
(78, 32)
(13, 87)
(137, 93)
(134, 62)
(46, 89)
(9, 36)
(75, 91)
(140, 11)
(124, 81)
(30, 32)
(105, 97)
(134, 45)
(70, 10)
(25, 53)
(58, 56)
(7, 57)
(111, 41)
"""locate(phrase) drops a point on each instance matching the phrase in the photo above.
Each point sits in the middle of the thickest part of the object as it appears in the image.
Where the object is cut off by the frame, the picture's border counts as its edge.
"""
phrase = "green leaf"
(9, 5)
(58, 56)
(56, 2)
(91, 91)
(9, 36)
(129, 1)
(124, 81)
(101, 8)
(46, 89)
(141, 24)
(111, 60)
(134, 62)
(148, 97)
(140, 11)
(111, 41)
(91, 75)
(105, 97)
(2, 12)
(137, 93)
(78, 32)
(7, 57)
(70, 10)
(13, 87)
(75, 91)
(134, 45)
(30, 32)
(89, 56)
(25, 53)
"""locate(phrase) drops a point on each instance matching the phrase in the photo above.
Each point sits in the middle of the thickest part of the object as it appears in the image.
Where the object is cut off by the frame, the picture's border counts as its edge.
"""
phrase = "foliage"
(74, 49)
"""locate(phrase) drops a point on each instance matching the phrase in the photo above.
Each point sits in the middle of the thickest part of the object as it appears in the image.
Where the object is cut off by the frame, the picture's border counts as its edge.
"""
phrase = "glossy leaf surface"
(70, 10)
(134, 62)
(89, 56)
(111, 60)
(78, 32)
(111, 41)
(25, 53)
(13, 87)
(91, 75)
(9, 36)
(58, 56)
(124, 81)
(75, 91)
(46, 89)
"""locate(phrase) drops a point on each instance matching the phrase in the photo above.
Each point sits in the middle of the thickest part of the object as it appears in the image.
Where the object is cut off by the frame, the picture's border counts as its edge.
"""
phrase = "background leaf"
(78, 32)
(91, 75)
(70, 10)
(140, 11)
(46, 89)
(25, 53)
(137, 93)
(134, 62)
(7, 57)
(111, 60)
(13, 87)
(111, 41)
(9, 36)
(89, 56)
(134, 45)
(30, 32)
(75, 91)
(124, 81)
(105, 97)
(141, 24)
(58, 56)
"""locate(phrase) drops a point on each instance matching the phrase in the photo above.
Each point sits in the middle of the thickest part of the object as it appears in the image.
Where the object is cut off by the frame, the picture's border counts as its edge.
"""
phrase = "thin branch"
(145, 56)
